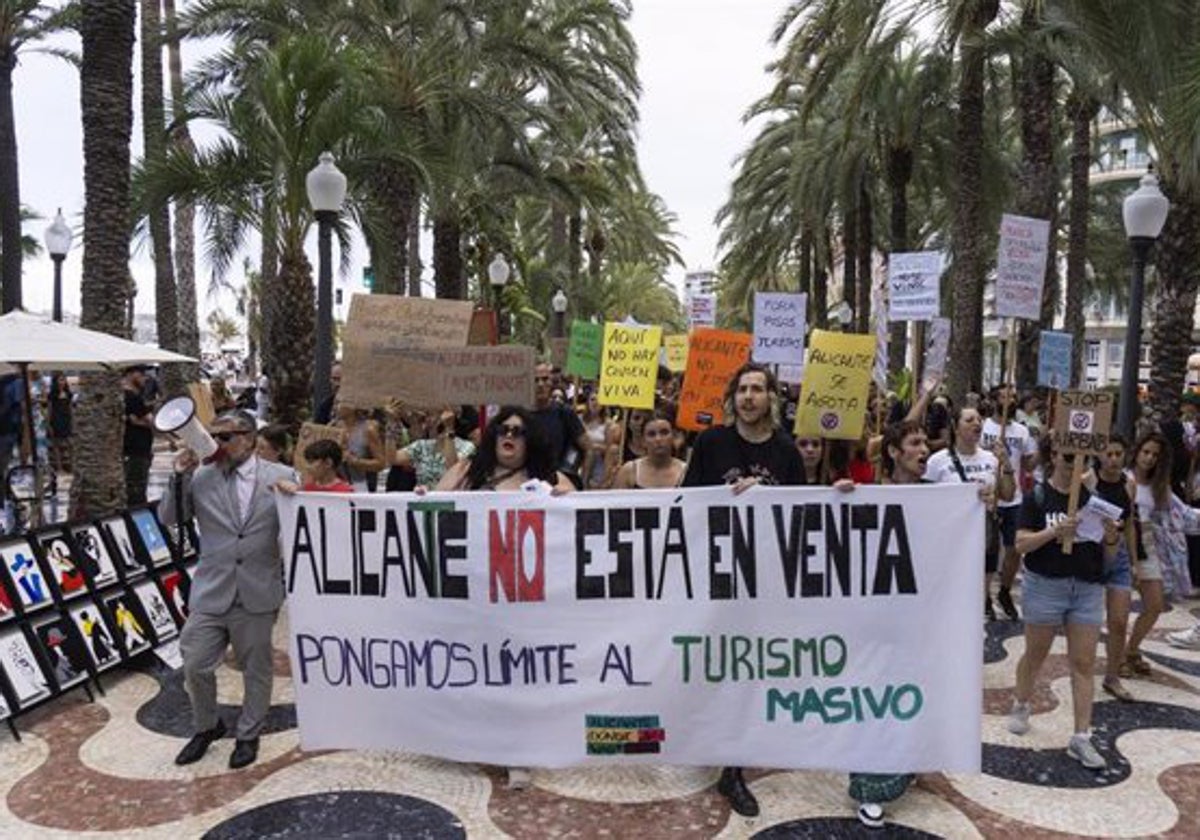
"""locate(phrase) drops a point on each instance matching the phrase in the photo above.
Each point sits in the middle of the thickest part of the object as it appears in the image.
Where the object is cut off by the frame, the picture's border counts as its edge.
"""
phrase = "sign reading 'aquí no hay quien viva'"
(783, 627)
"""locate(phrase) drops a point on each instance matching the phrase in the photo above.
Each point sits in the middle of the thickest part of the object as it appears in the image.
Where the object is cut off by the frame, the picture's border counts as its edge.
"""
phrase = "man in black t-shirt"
(752, 450)
(138, 448)
(562, 426)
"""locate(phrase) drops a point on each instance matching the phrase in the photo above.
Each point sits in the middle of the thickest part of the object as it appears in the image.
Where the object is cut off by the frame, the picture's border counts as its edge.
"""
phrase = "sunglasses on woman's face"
(514, 432)
(225, 437)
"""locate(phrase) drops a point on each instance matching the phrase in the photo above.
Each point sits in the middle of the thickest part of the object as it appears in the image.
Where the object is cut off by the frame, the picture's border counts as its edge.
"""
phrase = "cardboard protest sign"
(311, 433)
(629, 626)
(676, 347)
(483, 330)
(558, 352)
(584, 349)
(837, 379)
(1021, 266)
(779, 325)
(434, 377)
(202, 397)
(702, 310)
(914, 279)
(1082, 420)
(1054, 359)
(937, 344)
(713, 356)
(629, 365)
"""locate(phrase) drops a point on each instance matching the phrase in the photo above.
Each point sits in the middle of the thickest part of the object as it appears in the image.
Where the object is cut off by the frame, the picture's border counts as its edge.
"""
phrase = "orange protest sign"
(713, 357)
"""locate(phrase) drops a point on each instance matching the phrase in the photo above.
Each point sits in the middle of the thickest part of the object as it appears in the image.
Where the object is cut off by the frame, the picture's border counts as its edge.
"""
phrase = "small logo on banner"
(624, 734)
(1082, 422)
(830, 421)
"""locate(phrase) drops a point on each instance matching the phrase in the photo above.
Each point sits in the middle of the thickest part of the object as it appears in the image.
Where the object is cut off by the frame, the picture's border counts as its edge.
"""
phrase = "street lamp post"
(498, 272)
(1145, 213)
(58, 244)
(326, 187)
(558, 327)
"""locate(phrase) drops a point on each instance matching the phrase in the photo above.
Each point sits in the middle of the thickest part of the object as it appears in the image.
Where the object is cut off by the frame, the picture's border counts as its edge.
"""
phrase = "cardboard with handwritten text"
(438, 376)
(837, 378)
(311, 433)
(1082, 420)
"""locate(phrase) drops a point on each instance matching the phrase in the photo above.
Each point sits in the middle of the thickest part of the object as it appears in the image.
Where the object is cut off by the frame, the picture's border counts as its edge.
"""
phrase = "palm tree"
(22, 22)
(106, 96)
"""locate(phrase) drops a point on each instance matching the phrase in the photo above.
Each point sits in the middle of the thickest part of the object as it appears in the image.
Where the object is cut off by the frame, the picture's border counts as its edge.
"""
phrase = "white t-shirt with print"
(1018, 442)
(981, 467)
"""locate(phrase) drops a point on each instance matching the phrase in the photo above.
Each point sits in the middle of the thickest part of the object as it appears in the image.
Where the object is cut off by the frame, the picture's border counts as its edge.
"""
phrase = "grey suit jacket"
(239, 558)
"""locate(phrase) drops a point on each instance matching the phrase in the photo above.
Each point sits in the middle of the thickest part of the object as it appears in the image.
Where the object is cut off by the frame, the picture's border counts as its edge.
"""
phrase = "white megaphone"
(178, 416)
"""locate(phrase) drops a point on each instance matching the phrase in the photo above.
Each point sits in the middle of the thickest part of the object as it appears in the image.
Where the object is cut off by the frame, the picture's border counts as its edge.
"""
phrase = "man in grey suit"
(237, 587)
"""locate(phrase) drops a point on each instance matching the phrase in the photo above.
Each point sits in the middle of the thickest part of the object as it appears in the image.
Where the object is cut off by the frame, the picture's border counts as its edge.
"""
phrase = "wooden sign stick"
(1010, 376)
(1073, 497)
(824, 475)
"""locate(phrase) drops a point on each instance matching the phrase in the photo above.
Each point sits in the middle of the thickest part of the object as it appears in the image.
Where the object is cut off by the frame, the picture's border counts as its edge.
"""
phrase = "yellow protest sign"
(677, 352)
(833, 398)
(629, 365)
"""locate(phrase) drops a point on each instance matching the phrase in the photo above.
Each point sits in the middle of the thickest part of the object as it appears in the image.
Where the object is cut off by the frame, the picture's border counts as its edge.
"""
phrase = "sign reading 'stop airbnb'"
(783, 627)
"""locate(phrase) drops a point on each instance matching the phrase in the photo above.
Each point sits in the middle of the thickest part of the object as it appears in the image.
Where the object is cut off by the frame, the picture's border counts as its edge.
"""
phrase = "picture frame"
(123, 546)
(176, 586)
(7, 610)
(131, 626)
(63, 649)
(62, 562)
(159, 615)
(154, 539)
(94, 555)
(23, 669)
(95, 628)
(24, 576)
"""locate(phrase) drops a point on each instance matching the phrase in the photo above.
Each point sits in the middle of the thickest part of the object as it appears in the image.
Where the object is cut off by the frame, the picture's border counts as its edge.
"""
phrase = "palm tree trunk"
(850, 255)
(1037, 182)
(806, 271)
(1083, 110)
(391, 190)
(900, 169)
(448, 280)
(185, 212)
(10, 186)
(965, 362)
(1177, 261)
(268, 289)
(288, 340)
(862, 317)
(414, 243)
(154, 142)
(575, 247)
(106, 97)
(820, 296)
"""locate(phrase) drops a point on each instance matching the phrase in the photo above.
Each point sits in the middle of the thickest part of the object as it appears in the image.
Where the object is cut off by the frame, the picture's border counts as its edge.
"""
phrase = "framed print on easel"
(162, 621)
(24, 574)
(94, 555)
(154, 538)
(131, 627)
(22, 668)
(93, 625)
(122, 545)
(64, 650)
(62, 562)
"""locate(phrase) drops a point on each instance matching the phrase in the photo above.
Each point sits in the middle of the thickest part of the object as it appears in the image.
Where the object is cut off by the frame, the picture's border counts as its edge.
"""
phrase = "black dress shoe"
(244, 752)
(733, 787)
(195, 749)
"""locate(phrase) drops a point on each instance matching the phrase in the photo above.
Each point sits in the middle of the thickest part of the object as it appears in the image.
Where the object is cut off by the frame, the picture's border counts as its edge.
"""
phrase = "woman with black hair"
(514, 451)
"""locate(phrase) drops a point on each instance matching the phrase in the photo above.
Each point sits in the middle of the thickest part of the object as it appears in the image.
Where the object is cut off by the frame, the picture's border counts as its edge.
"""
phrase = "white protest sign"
(784, 627)
(1021, 266)
(937, 344)
(914, 280)
(1091, 518)
(779, 324)
(702, 310)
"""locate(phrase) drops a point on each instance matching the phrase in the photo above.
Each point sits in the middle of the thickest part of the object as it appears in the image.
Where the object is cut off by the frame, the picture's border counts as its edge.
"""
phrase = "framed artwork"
(6, 604)
(176, 585)
(94, 556)
(64, 650)
(124, 549)
(24, 574)
(62, 563)
(154, 605)
(4, 710)
(22, 669)
(154, 538)
(131, 627)
(97, 633)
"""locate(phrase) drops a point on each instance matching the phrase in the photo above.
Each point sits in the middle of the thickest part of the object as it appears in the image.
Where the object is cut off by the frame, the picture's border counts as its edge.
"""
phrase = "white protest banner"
(914, 280)
(779, 324)
(1021, 266)
(783, 627)
(702, 310)
(937, 344)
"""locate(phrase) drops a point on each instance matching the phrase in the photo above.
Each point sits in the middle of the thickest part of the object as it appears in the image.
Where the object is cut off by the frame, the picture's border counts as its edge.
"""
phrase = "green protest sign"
(583, 352)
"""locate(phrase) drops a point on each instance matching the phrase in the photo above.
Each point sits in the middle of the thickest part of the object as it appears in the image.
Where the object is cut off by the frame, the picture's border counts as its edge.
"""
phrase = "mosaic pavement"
(104, 769)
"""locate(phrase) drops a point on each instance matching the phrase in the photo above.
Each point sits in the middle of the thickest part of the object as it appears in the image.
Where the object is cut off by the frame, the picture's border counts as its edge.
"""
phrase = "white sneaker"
(1187, 639)
(519, 778)
(870, 814)
(1018, 718)
(1082, 750)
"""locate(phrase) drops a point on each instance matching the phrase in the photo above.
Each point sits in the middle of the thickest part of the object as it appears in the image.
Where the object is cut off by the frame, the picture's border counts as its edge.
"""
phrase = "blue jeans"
(1061, 601)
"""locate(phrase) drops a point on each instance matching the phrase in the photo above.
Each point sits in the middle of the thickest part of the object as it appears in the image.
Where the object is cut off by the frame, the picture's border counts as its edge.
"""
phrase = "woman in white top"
(965, 460)
(604, 437)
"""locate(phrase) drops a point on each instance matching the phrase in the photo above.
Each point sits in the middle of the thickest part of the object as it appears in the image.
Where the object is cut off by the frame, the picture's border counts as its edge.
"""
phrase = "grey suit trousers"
(203, 641)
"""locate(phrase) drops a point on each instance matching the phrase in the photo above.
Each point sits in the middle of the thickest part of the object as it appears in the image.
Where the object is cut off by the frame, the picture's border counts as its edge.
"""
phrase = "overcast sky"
(702, 64)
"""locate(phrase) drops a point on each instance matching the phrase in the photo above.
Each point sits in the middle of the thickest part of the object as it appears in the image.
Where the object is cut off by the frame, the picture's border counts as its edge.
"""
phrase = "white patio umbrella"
(38, 340)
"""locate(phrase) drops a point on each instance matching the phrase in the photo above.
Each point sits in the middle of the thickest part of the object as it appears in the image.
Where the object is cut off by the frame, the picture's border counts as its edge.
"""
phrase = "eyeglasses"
(225, 437)
(515, 432)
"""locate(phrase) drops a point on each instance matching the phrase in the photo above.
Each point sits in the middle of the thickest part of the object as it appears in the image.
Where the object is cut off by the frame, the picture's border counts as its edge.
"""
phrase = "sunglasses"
(515, 432)
(225, 437)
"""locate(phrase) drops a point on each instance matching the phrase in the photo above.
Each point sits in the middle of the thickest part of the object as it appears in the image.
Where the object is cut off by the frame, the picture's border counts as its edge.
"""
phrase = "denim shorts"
(1060, 601)
(1007, 518)
(1118, 574)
